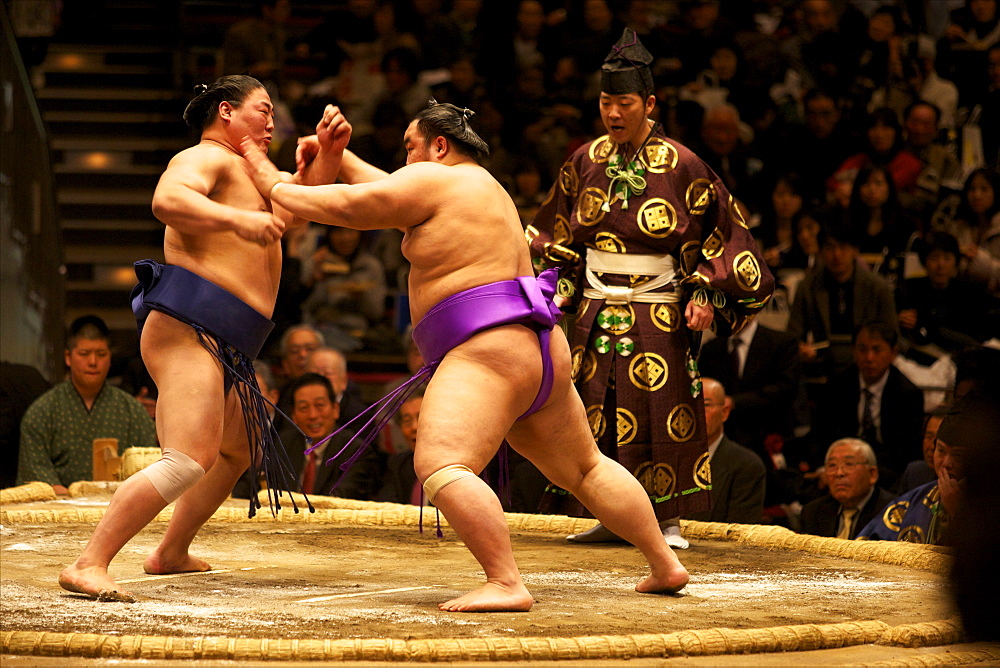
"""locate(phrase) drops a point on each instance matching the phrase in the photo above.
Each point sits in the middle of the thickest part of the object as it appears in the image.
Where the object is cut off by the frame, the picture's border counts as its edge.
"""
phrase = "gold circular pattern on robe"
(736, 213)
(582, 308)
(569, 180)
(557, 253)
(703, 472)
(561, 232)
(660, 156)
(689, 256)
(616, 318)
(681, 423)
(576, 362)
(648, 371)
(912, 534)
(699, 196)
(664, 481)
(657, 218)
(627, 426)
(665, 316)
(531, 233)
(588, 366)
(714, 247)
(659, 481)
(552, 192)
(932, 497)
(893, 515)
(747, 271)
(589, 211)
(609, 243)
(601, 149)
(595, 416)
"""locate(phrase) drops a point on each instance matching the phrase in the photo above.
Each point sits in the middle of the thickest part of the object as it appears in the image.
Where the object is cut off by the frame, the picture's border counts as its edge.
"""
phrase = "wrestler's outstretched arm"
(181, 200)
(397, 200)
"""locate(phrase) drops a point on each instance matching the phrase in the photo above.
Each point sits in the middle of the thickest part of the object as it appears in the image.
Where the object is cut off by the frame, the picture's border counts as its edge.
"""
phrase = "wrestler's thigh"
(558, 438)
(189, 406)
(235, 444)
(464, 417)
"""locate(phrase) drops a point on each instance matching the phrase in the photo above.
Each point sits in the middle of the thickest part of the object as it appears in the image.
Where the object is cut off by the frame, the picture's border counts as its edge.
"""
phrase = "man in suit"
(331, 363)
(736, 474)
(833, 298)
(759, 369)
(399, 484)
(874, 401)
(851, 476)
(315, 411)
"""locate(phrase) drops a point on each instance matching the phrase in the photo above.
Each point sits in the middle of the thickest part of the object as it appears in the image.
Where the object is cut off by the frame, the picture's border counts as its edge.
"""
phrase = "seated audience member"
(59, 428)
(399, 482)
(332, 364)
(833, 298)
(941, 309)
(976, 225)
(297, 344)
(315, 412)
(854, 496)
(921, 471)
(883, 227)
(20, 385)
(883, 146)
(348, 289)
(246, 487)
(759, 369)
(923, 515)
(737, 474)
(921, 129)
(874, 401)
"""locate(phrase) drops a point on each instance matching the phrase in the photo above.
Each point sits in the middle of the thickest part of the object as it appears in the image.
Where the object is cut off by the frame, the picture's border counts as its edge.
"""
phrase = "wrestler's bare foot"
(161, 564)
(93, 581)
(669, 580)
(491, 597)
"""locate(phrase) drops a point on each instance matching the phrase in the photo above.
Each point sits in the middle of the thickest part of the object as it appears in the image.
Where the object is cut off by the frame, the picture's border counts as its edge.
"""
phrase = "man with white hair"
(851, 476)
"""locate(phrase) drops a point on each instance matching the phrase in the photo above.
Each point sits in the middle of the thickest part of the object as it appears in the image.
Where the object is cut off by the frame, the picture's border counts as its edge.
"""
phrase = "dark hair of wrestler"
(447, 120)
(232, 88)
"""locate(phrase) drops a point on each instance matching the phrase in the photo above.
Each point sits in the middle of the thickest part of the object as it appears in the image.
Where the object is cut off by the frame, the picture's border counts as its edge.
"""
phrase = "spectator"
(921, 471)
(20, 385)
(315, 412)
(963, 47)
(736, 473)
(348, 289)
(758, 368)
(821, 145)
(883, 146)
(257, 45)
(882, 226)
(247, 487)
(399, 483)
(990, 108)
(723, 148)
(921, 130)
(776, 231)
(832, 300)
(976, 225)
(880, 61)
(872, 400)
(940, 310)
(58, 429)
(332, 365)
(924, 514)
(298, 342)
(854, 498)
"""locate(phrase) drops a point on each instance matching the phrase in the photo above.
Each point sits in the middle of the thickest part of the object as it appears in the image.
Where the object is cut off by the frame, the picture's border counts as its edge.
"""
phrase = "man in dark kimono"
(652, 250)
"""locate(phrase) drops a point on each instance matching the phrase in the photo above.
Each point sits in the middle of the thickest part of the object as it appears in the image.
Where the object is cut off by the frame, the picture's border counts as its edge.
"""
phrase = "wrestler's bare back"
(199, 236)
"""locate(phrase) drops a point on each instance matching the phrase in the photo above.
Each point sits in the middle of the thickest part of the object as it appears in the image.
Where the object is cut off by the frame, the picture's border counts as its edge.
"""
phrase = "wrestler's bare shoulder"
(204, 156)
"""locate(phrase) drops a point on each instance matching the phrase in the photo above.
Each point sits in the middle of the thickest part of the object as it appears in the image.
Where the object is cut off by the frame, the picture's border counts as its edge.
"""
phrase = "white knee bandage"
(173, 474)
(449, 474)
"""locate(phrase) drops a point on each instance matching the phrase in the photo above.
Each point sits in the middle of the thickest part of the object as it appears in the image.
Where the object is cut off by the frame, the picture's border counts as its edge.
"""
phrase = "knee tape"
(445, 476)
(173, 474)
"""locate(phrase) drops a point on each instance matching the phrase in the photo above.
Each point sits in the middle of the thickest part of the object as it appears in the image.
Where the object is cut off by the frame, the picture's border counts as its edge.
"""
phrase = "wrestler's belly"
(247, 271)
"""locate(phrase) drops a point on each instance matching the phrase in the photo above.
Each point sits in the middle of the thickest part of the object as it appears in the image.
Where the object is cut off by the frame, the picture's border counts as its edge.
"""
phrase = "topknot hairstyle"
(233, 88)
(447, 120)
